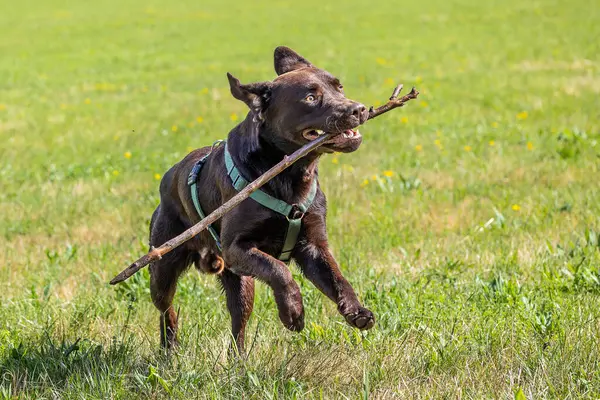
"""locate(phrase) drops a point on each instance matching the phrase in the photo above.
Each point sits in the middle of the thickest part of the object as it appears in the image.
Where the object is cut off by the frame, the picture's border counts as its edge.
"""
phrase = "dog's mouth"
(345, 141)
(348, 134)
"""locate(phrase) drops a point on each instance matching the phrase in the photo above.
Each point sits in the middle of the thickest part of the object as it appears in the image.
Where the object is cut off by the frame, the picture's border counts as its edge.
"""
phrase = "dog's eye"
(310, 98)
(341, 87)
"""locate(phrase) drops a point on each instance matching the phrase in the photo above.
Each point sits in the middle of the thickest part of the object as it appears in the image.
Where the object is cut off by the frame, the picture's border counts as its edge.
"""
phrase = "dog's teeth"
(319, 132)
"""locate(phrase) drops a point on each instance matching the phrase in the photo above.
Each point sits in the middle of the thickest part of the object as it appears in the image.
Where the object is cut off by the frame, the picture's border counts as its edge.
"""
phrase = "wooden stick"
(157, 253)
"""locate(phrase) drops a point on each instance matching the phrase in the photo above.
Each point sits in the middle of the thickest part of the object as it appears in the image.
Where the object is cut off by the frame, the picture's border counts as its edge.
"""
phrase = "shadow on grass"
(49, 365)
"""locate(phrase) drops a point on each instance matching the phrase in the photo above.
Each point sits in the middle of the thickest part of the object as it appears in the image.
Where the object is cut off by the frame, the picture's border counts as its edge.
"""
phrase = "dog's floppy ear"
(287, 60)
(255, 95)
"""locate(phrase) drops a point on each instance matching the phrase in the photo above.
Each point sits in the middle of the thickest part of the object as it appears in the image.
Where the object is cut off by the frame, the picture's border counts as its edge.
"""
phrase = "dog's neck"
(253, 154)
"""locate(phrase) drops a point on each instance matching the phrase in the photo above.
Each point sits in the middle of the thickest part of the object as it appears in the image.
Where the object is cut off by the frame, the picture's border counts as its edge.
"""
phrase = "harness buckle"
(295, 213)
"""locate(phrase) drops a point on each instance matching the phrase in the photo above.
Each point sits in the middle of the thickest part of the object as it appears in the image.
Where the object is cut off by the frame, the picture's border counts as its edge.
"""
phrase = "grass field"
(468, 221)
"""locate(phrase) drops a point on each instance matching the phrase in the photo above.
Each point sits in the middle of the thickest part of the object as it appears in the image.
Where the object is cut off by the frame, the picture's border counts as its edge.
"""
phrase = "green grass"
(479, 255)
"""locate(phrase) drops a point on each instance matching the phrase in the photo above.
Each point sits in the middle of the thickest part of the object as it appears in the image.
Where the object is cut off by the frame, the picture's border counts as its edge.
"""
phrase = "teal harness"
(292, 212)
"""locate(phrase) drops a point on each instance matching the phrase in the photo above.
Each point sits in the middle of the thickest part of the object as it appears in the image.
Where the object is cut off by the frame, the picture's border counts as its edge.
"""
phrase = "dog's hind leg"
(164, 274)
(239, 291)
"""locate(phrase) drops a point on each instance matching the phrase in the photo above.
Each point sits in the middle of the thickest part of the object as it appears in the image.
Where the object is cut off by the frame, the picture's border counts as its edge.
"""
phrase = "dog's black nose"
(357, 110)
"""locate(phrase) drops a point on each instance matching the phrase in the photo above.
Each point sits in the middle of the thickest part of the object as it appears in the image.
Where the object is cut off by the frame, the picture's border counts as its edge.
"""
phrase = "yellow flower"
(529, 146)
(190, 124)
(335, 160)
(204, 91)
(424, 104)
(516, 207)
(157, 176)
(2, 107)
(174, 128)
(492, 143)
(374, 177)
(522, 115)
(63, 106)
(438, 143)
(494, 124)
(404, 120)
(418, 79)
(233, 117)
(87, 101)
(189, 149)
(364, 183)
(348, 168)
(381, 61)
(199, 120)
(115, 172)
(377, 103)
(388, 173)
(127, 154)
(389, 81)
(419, 147)
(468, 148)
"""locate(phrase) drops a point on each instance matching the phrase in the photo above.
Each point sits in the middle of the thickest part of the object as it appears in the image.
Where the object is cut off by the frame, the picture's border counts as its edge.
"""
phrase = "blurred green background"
(468, 220)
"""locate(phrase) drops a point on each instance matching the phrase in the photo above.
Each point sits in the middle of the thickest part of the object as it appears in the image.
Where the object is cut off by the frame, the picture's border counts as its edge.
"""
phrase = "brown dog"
(286, 113)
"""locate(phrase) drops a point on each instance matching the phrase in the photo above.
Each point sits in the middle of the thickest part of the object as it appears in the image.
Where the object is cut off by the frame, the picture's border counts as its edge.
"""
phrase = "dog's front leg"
(245, 259)
(319, 266)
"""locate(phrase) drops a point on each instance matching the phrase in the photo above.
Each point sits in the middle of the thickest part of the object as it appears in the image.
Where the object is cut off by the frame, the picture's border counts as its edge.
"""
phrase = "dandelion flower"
(199, 120)
(364, 183)
(438, 143)
(389, 81)
(233, 117)
(522, 115)
(516, 207)
(492, 143)
(381, 61)
(87, 101)
(404, 120)
(63, 106)
(494, 124)
(204, 91)
(127, 154)
(115, 172)
(335, 160)
(529, 146)
(388, 173)
(419, 147)
(2, 107)
(174, 128)
(157, 176)
(424, 104)
(189, 149)
(418, 79)
(468, 148)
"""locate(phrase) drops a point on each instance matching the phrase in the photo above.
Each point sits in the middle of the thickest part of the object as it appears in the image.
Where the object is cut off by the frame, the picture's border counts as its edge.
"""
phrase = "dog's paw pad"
(362, 319)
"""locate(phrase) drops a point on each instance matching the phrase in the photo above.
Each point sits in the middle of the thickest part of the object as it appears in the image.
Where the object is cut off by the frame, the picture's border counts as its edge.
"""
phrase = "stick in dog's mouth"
(312, 134)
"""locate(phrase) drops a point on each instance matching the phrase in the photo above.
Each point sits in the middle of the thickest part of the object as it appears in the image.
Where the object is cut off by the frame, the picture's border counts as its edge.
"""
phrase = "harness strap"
(192, 180)
(293, 212)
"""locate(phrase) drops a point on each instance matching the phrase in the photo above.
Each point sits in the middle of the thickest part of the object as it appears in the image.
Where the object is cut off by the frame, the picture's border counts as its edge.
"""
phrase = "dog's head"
(301, 104)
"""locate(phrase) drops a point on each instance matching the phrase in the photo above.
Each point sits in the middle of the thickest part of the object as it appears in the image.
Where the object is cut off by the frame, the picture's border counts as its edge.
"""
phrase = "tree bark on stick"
(157, 253)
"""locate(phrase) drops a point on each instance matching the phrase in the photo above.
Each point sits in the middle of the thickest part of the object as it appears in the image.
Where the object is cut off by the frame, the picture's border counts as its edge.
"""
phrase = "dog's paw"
(362, 319)
(291, 310)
